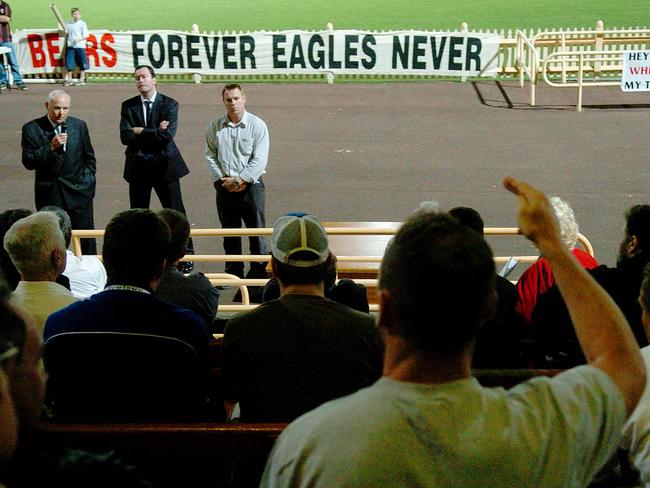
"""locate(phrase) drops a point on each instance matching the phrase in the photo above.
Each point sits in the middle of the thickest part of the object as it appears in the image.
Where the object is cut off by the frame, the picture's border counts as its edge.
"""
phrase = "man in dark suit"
(153, 161)
(58, 148)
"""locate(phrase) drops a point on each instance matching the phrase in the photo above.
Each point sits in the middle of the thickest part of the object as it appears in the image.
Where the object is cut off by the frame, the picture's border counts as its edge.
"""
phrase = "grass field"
(220, 15)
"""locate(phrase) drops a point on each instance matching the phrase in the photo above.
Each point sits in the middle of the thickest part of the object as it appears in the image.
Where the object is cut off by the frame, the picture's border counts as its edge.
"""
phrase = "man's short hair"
(56, 93)
(31, 241)
(64, 222)
(439, 275)
(469, 218)
(147, 67)
(292, 275)
(231, 86)
(180, 233)
(136, 243)
(638, 224)
(73, 10)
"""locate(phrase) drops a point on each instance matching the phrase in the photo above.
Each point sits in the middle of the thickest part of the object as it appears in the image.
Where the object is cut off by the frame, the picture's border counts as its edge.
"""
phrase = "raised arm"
(604, 334)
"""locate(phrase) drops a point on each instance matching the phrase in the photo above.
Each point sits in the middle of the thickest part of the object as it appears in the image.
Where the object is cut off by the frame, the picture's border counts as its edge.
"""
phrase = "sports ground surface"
(373, 152)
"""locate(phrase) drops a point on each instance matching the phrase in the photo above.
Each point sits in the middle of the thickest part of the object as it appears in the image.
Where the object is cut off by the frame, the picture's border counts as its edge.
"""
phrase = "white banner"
(283, 52)
(636, 71)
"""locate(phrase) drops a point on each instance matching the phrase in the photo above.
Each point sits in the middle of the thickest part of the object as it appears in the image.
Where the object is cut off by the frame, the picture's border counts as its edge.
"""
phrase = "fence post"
(463, 28)
(599, 45)
(580, 63)
(197, 76)
(330, 74)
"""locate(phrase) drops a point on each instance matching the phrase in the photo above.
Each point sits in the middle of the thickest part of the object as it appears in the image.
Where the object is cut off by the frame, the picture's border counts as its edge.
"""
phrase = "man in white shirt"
(237, 150)
(36, 246)
(636, 434)
(75, 57)
(87, 274)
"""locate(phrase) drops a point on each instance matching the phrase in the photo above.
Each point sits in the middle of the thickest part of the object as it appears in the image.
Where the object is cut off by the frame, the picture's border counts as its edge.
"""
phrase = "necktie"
(148, 114)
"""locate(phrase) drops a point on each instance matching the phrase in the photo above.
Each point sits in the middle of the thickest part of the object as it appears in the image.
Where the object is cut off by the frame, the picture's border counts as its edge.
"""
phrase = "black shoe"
(185, 267)
(21, 86)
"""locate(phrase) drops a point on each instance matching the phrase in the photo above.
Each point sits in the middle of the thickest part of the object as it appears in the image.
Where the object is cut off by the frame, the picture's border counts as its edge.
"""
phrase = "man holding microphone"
(58, 148)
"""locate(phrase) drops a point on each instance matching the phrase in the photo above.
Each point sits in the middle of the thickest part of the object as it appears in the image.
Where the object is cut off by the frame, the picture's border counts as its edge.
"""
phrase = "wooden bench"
(170, 455)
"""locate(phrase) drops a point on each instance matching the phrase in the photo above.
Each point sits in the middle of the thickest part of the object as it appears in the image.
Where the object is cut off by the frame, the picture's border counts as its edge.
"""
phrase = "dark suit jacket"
(151, 155)
(65, 179)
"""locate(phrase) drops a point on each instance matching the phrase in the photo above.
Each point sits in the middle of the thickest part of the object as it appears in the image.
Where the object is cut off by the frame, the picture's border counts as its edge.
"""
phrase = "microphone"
(64, 128)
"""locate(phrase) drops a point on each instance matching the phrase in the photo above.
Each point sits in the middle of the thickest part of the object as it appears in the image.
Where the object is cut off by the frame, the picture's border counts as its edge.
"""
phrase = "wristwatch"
(235, 182)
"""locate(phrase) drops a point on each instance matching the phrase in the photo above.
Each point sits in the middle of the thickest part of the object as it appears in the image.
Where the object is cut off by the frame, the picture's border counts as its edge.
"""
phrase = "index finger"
(518, 187)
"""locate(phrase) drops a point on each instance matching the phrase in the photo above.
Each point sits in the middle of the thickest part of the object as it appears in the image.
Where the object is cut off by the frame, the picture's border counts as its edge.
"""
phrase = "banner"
(636, 71)
(282, 52)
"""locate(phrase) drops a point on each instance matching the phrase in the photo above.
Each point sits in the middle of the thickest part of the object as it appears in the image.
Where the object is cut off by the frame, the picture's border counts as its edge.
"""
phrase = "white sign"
(636, 71)
(283, 52)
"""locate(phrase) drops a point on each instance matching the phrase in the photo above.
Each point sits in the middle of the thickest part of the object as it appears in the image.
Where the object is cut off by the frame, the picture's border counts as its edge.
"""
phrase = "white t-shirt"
(636, 434)
(87, 274)
(546, 432)
(77, 30)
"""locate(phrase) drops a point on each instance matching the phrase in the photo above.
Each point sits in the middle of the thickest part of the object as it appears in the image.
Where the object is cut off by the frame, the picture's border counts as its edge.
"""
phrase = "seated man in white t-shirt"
(427, 422)
(87, 274)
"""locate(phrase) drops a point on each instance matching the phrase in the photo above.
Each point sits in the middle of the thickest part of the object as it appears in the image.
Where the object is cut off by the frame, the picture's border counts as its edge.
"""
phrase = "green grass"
(219, 15)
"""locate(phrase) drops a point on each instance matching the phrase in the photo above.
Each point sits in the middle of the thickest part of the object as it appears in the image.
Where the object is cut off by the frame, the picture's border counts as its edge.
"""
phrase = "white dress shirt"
(144, 105)
(240, 149)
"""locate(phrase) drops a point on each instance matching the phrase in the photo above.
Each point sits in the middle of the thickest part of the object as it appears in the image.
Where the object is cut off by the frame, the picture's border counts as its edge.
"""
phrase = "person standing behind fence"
(5, 41)
(237, 150)
(75, 56)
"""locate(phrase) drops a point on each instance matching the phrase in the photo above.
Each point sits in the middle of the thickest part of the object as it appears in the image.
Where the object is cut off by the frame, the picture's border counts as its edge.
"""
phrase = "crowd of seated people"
(312, 344)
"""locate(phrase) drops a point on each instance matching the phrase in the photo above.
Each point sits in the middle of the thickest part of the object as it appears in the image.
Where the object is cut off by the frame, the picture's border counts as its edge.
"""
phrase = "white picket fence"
(510, 61)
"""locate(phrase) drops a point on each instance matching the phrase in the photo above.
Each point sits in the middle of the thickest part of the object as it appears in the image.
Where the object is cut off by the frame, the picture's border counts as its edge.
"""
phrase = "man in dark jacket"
(58, 148)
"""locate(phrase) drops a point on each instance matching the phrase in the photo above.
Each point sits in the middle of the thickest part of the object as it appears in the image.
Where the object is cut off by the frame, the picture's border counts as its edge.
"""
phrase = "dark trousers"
(246, 206)
(82, 218)
(169, 194)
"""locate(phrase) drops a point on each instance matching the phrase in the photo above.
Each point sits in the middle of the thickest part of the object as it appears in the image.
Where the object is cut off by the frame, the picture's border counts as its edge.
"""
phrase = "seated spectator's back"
(551, 321)
(193, 291)
(498, 344)
(37, 249)
(291, 354)
(135, 247)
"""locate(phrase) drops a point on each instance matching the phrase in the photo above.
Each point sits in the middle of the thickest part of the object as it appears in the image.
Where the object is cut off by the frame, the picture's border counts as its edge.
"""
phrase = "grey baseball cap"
(299, 233)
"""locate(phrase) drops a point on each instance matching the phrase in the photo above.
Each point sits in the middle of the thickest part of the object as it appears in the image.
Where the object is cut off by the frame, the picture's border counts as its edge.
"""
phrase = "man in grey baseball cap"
(291, 354)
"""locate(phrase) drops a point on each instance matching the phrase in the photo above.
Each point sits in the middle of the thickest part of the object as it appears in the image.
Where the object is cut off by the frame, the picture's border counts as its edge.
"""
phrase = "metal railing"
(576, 58)
(225, 279)
(586, 61)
